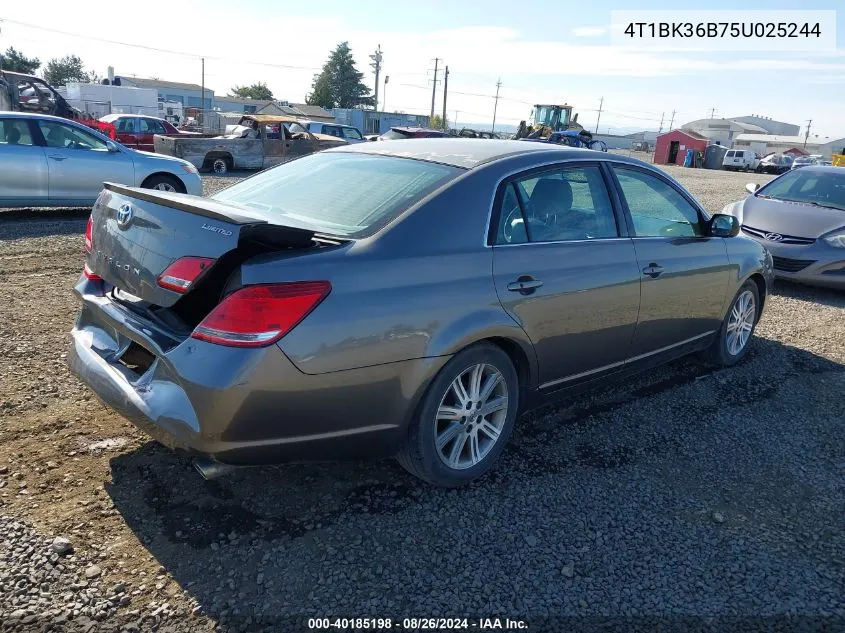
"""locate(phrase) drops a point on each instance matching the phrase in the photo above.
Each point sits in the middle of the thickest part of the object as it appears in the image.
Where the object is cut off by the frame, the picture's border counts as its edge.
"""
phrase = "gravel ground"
(686, 492)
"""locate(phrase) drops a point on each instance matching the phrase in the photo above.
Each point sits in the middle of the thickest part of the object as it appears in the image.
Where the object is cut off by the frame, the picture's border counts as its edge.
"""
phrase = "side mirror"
(752, 187)
(112, 146)
(722, 225)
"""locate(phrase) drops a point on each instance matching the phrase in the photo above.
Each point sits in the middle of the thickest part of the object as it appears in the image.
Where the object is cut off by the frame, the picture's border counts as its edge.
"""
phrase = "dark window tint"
(151, 126)
(126, 125)
(567, 204)
(396, 134)
(657, 208)
(511, 222)
(340, 193)
(15, 132)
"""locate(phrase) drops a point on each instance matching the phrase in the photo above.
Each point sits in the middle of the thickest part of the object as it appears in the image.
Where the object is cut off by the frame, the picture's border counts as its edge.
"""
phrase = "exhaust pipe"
(211, 469)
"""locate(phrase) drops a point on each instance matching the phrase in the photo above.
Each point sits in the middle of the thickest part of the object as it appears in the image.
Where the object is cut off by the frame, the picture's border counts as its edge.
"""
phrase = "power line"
(154, 48)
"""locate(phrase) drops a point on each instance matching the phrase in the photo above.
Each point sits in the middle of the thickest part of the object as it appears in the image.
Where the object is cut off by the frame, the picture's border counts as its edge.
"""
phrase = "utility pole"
(712, 110)
(807, 135)
(376, 66)
(661, 122)
(672, 121)
(601, 103)
(434, 86)
(384, 98)
(202, 95)
(445, 90)
(496, 103)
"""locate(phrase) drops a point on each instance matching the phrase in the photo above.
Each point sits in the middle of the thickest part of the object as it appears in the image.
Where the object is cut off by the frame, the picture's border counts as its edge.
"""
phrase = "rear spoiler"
(252, 226)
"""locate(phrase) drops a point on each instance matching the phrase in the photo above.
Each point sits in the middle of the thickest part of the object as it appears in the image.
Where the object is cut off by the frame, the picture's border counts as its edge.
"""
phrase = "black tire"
(420, 455)
(719, 353)
(219, 166)
(164, 182)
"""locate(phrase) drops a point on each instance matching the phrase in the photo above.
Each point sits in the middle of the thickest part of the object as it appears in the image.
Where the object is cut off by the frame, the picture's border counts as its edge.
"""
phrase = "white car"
(347, 132)
(741, 160)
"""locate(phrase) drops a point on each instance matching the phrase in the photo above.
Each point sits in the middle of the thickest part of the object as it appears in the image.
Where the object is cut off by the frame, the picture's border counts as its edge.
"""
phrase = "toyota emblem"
(124, 215)
(774, 237)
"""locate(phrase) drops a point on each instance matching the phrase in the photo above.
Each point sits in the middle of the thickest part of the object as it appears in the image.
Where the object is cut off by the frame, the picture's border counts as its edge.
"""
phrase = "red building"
(671, 148)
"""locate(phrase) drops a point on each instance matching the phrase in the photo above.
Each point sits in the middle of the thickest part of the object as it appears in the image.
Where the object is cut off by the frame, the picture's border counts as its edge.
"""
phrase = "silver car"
(405, 298)
(50, 161)
(800, 218)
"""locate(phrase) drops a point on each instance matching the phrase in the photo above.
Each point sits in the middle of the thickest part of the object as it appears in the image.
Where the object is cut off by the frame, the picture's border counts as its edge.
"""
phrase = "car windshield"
(343, 193)
(824, 188)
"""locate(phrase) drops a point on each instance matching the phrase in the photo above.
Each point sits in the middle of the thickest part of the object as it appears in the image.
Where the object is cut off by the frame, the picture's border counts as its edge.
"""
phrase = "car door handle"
(58, 157)
(525, 285)
(653, 270)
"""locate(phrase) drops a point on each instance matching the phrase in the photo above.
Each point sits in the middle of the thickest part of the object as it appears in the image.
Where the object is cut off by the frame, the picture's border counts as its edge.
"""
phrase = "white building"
(99, 99)
(722, 131)
(769, 125)
(768, 143)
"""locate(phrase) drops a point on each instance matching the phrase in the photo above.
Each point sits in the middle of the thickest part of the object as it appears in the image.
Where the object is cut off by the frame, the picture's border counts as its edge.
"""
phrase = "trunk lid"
(138, 233)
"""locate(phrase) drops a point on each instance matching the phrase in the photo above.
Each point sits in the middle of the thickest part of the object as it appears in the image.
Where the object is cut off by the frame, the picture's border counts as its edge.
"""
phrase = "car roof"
(467, 153)
(824, 169)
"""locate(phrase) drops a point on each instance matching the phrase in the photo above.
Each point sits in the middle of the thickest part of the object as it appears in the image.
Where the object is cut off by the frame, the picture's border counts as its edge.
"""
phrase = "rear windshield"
(394, 134)
(340, 193)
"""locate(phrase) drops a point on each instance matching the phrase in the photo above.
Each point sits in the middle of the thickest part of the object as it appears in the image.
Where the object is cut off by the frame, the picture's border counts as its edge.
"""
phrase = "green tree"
(255, 91)
(15, 61)
(439, 123)
(58, 72)
(339, 84)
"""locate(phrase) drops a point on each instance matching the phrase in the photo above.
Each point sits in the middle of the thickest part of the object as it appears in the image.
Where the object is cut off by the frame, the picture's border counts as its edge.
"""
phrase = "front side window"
(657, 208)
(63, 136)
(561, 205)
(350, 132)
(346, 194)
(126, 125)
(15, 132)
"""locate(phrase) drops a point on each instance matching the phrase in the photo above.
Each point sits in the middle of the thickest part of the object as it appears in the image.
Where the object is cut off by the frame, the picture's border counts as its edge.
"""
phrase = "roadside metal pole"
(202, 97)
(598, 118)
(445, 90)
(384, 96)
(807, 135)
(496, 104)
(434, 88)
(376, 66)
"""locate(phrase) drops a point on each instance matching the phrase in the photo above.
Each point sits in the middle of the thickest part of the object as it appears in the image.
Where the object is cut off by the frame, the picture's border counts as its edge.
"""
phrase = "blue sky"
(544, 52)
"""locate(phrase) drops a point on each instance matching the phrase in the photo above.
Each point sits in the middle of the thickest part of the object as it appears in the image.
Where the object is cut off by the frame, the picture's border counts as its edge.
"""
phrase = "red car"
(136, 131)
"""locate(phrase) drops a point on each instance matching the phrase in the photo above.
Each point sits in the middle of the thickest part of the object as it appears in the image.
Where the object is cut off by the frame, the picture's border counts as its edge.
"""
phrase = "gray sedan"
(406, 298)
(800, 218)
(50, 161)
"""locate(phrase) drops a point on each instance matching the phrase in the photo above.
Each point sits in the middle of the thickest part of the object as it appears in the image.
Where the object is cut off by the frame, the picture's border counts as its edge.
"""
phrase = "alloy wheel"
(471, 416)
(741, 322)
(165, 186)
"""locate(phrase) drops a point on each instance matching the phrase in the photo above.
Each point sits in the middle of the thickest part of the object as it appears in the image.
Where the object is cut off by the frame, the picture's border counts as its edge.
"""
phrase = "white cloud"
(589, 31)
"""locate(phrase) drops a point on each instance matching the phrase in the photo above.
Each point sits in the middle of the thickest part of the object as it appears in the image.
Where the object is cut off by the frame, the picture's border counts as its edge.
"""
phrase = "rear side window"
(561, 205)
(730, 154)
(15, 132)
(340, 193)
(349, 132)
(657, 208)
(740, 154)
(151, 126)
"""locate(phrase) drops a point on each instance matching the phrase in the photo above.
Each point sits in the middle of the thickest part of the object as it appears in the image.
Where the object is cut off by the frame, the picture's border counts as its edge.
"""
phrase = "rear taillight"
(90, 274)
(184, 272)
(255, 316)
(89, 235)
